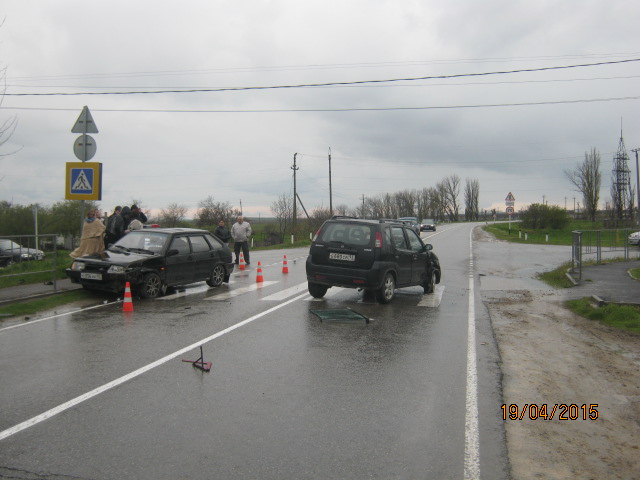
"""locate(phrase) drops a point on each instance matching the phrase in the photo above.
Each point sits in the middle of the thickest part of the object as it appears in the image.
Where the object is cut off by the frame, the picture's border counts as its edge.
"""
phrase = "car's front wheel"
(217, 276)
(151, 285)
(387, 291)
(317, 291)
(430, 280)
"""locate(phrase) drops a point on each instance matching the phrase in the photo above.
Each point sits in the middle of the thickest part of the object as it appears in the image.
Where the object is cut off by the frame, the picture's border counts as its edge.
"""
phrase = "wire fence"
(594, 246)
(24, 255)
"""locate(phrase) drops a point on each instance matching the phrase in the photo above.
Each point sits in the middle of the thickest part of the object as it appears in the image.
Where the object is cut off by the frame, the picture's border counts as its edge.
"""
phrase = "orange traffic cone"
(285, 267)
(242, 265)
(259, 277)
(127, 306)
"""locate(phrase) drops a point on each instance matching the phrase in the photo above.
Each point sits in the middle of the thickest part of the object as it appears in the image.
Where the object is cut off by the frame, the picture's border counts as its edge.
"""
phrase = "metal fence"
(18, 260)
(592, 246)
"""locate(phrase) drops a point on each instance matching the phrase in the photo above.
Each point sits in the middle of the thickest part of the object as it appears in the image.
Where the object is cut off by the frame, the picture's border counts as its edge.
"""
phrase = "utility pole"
(295, 193)
(635, 150)
(241, 207)
(330, 192)
(363, 216)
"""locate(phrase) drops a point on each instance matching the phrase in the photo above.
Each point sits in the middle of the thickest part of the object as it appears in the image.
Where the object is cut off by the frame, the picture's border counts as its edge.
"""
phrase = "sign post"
(84, 180)
(510, 202)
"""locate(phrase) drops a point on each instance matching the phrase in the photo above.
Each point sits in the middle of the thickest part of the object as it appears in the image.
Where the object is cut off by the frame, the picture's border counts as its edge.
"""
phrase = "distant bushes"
(544, 216)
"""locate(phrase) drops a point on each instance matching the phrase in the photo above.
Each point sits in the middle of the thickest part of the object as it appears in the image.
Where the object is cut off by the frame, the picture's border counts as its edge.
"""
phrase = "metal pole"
(330, 192)
(295, 193)
(637, 182)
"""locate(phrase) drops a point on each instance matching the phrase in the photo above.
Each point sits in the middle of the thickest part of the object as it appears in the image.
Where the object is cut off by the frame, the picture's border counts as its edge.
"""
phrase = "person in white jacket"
(240, 232)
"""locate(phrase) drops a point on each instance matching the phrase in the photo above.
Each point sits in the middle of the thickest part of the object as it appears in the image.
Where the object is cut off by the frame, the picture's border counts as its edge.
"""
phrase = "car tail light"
(316, 235)
(378, 240)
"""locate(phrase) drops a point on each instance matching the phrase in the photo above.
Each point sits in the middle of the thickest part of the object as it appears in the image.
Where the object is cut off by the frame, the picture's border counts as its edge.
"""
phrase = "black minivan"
(374, 255)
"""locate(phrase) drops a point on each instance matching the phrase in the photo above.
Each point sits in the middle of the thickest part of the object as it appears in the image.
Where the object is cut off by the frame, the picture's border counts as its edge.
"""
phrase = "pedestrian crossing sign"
(84, 181)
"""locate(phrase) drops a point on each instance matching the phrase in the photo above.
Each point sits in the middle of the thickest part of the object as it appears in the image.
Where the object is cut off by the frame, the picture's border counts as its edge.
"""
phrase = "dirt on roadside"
(552, 357)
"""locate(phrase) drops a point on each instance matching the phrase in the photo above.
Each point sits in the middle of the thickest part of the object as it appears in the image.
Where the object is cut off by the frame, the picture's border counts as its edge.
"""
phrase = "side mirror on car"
(172, 252)
(428, 247)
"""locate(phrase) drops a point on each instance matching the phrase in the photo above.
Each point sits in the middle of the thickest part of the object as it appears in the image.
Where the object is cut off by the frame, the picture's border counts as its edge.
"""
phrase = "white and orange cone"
(242, 265)
(259, 277)
(127, 306)
(285, 267)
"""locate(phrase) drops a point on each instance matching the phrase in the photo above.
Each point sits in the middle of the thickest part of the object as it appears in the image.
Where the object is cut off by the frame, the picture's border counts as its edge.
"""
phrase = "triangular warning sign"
(85, 123)
(82, 182)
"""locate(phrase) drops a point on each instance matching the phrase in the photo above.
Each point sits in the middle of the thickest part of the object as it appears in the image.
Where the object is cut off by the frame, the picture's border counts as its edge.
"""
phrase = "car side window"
(397, 238)
(199, 244)
(414, 241)
(181, 244)
(214, 242)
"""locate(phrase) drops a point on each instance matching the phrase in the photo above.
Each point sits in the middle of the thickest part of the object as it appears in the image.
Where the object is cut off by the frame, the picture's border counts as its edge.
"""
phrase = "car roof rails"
(389, 220)
(335, 217)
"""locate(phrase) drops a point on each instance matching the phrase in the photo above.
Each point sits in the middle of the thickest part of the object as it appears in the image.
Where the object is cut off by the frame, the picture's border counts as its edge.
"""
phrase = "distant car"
(153, 259)
(634, 238)
(412, 222)
(428, 224)
(374, 255)
(12, 252)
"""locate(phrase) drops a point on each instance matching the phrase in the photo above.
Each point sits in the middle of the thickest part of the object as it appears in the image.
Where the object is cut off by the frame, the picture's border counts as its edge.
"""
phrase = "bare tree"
(586, 177)
(282, 209)
(173, 215)
(211, 212)
(449, 189)
(471, 199)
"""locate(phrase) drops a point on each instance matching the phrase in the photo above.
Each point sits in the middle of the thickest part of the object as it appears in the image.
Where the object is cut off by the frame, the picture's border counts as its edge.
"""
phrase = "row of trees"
(587, 179)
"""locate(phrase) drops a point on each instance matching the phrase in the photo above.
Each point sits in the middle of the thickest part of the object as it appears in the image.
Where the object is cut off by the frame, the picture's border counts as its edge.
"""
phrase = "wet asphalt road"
(100, 394)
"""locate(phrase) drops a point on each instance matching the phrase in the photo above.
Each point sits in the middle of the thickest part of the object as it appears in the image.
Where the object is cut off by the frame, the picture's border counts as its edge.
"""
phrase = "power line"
(328, 84)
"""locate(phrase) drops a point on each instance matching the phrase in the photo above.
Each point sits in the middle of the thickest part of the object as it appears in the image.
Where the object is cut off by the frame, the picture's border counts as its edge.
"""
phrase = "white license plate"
(91, 276)
(342, 256)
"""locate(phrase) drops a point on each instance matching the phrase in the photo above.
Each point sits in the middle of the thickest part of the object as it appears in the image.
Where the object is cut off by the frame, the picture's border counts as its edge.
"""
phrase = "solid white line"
(471, 434)
(432, 300)
(108, 386)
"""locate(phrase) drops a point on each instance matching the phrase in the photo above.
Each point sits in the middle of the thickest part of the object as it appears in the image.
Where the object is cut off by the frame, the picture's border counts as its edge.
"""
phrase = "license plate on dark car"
(91, 276)
(342, 256)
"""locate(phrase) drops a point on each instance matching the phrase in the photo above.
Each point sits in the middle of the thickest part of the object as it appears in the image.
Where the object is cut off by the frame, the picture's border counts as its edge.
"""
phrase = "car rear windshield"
(347, 233)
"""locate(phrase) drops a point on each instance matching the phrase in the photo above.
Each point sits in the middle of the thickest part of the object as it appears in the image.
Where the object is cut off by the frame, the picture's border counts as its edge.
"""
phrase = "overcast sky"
(513, 132)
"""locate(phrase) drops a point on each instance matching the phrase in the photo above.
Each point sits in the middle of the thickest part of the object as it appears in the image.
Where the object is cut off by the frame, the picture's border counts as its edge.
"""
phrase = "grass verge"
(50, 302)
(624, 317)
(557, 278)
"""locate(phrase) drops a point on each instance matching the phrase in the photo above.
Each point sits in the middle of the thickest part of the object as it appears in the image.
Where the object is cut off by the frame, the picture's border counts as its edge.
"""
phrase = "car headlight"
(24, 255)
(78, 266)
(116, 269)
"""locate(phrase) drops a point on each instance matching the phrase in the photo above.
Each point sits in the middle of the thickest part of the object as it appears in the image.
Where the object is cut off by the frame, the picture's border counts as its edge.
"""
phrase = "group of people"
(98, 232)
(240, 232)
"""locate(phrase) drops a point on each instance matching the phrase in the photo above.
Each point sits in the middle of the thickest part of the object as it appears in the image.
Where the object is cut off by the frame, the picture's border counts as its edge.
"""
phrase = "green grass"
(624, 317)
(37, 271)
(556, 237)
(635, 273)
(557, 278)
(31, 307)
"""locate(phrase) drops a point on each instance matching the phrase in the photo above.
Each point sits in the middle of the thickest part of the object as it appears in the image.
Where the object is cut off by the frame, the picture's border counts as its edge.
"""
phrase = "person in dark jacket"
(141, 216)
(223, 232)
(126, 217)
(114, 227)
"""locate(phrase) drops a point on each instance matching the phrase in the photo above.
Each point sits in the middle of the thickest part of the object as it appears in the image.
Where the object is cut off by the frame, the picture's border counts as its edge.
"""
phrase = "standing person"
(115, 227)
(126, 217)
(135, 223)
(241, 231)
(141, 216)
(92, 240)
(223, 233)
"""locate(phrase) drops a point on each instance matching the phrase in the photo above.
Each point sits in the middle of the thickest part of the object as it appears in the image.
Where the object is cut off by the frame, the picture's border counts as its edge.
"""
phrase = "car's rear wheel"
(317, 291)
(151, 285)
(387, 291)
(217, 276)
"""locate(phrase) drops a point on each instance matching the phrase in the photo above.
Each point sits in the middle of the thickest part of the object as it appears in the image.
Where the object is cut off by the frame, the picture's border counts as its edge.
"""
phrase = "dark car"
(411, 221)
(374, 255)
(154, 259)
(428, 224)
(11, 252)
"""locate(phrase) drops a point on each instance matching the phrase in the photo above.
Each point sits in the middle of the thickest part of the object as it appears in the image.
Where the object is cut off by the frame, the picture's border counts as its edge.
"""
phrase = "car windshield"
(142, 240)
(347, 233)
(409, 219)
(428, 220)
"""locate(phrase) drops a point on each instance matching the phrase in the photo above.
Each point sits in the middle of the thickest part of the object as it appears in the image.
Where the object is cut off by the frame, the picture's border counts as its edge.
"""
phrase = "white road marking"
(239, 291)
(432, 300)
(119, 381)
(471, 433)
(281, 295)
